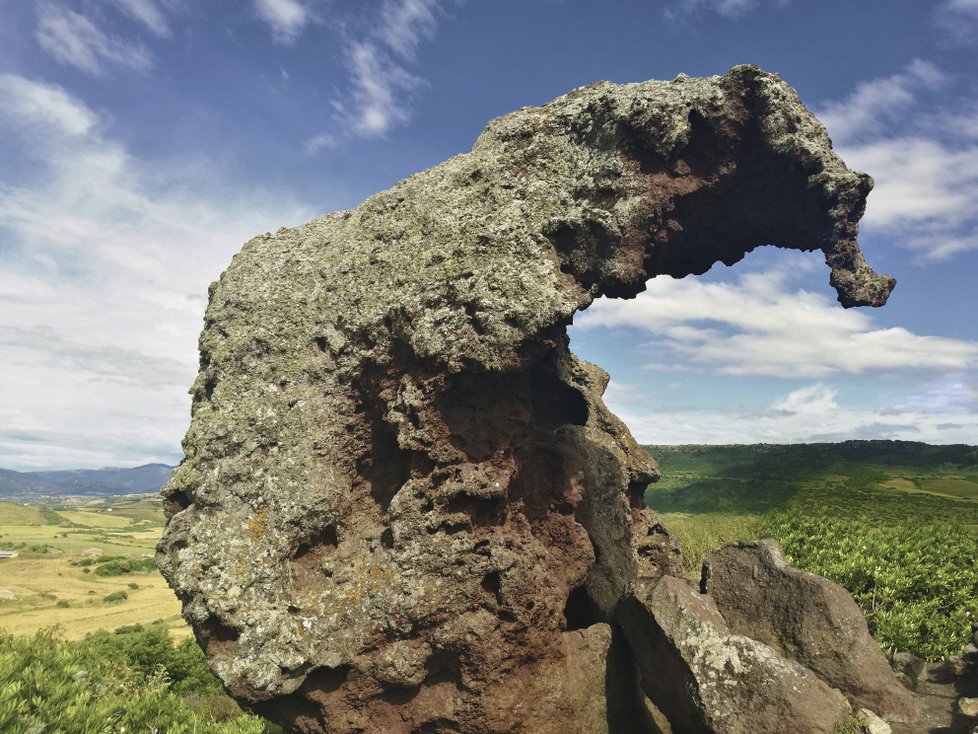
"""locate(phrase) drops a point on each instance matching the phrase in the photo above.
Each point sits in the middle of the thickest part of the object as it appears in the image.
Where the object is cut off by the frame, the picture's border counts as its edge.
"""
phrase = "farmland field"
(64, 575)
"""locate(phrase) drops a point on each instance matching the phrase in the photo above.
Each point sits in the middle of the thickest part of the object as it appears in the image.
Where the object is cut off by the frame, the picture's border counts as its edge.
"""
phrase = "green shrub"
(63, 603)
(115, 597)
(58, 687)
(126, 566)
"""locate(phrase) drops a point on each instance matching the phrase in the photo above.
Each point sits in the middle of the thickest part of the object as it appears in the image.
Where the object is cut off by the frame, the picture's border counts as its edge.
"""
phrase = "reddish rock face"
(404, 507)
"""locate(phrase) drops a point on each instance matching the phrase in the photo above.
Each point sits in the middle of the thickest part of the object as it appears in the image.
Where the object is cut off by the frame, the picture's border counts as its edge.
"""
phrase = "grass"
(700, 534)
(51, 592)
(13, 514)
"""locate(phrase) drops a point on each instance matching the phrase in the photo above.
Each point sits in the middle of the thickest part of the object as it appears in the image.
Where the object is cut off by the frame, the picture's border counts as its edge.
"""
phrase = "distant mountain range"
(83, 482)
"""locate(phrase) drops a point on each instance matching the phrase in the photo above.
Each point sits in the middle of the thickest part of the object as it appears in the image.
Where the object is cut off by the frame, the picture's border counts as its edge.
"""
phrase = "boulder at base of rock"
(709, 681)
(808, 619)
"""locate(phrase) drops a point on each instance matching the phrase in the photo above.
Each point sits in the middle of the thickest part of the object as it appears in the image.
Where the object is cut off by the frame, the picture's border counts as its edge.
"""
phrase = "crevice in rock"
(626, 710)
(492, 584)
(579, 610)
(636, 494)
(217, 639)
(310, 552)
(555, 403)
(443, 666)
(325, 679)
(438, 726)
(175, 502)
(386, 467)
(482, 511)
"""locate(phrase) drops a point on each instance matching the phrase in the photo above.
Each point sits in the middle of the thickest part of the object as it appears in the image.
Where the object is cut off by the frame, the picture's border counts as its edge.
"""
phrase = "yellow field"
(45, 573)
(951, 486)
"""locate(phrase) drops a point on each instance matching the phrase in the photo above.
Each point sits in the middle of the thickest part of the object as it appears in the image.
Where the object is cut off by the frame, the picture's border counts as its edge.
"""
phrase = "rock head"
(404, 507)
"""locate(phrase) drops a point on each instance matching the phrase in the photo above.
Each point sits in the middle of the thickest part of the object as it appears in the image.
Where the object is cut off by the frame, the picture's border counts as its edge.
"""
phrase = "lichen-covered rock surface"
(404, 507)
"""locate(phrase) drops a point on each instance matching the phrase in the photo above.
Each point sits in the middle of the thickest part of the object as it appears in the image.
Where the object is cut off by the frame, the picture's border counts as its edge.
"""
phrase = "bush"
(126, 566)
(87, 688)
(115, 597)
(62, 603)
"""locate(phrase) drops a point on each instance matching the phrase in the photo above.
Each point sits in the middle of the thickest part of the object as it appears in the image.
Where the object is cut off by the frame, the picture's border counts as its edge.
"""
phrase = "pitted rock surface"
(404, 506)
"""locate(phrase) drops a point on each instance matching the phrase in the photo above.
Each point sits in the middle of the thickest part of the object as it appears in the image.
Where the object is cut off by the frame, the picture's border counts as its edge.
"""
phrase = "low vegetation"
(133, 680)
(895, 523)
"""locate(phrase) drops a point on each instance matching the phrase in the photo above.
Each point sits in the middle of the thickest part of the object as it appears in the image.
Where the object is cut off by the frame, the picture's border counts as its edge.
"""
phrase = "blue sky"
(143, 141)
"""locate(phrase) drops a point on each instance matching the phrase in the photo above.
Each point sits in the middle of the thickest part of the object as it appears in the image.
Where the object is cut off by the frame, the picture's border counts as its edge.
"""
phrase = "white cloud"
(761, 326)
(35, 103)
(959, 19)
(405, 23)
(925, 192)
(285, 18)
(378, 90)
(812, 400)
(879, 101)
(323, 141)
(719, 426)
(381, 85)
(107, 262)
(73, 39)
(146, 12)
(683, 10)
(918, 137)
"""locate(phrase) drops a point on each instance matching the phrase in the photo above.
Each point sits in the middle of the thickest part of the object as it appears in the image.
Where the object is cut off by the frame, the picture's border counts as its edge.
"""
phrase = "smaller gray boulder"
(709, 681)
(808, 619)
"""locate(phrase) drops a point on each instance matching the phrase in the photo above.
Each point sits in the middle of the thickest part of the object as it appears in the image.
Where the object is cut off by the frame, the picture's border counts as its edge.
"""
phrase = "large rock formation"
(404, 507)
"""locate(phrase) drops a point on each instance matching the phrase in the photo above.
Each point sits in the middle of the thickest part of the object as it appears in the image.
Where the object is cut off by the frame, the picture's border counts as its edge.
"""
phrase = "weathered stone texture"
(806, 618)
(708, 680)
(404, 506)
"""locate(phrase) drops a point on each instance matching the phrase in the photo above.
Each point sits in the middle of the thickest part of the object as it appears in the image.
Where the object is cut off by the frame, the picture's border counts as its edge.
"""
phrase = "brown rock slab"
(707, 680)
(807, 618)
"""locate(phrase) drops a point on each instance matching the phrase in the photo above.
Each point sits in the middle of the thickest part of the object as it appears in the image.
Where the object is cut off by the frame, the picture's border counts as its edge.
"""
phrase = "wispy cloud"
(762, 325)
(824, 416)
(683, 10)
(811, 400)
(74, 39)
(877, 102)
(405, 23)
(379, 89)
(107, 262)
(916, 133)
(381, 85)
(34, 103)
(286, 19)
(146, 12)
(958, 19)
